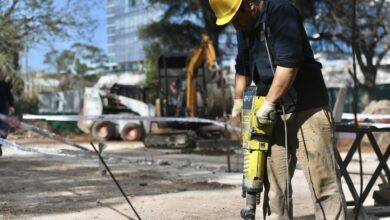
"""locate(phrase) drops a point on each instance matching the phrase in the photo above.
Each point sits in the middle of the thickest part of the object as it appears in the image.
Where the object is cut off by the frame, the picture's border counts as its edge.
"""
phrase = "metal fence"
(60, 102)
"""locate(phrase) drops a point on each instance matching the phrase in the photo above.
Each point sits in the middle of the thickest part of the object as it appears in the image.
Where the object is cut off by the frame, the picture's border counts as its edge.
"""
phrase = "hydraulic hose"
(288, 197)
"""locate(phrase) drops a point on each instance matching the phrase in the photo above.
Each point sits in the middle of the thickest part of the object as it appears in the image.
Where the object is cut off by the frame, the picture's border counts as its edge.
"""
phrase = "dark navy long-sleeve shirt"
(289, 47)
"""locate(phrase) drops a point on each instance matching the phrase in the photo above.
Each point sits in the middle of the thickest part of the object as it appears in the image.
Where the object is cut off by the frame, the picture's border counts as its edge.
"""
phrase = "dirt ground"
(161, 184)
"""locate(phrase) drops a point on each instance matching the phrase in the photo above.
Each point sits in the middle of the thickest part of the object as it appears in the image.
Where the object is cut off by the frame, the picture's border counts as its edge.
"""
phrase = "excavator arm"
(181, 135)
(204, 53)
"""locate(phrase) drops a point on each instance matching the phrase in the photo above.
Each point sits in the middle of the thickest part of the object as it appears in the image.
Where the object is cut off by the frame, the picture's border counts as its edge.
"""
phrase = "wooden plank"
(339, 104)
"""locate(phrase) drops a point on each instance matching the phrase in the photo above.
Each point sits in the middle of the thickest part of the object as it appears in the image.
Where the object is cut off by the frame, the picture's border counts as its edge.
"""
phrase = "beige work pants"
(311, 142)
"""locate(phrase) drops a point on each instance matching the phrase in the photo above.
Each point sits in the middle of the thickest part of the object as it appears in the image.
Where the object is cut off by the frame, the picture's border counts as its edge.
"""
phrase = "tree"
(39, 21)
(182, 24)
(370, 35)
(306, 7)
(152, 53)
(76, 62)
(63, 61)
(179, 29)
(79, 60)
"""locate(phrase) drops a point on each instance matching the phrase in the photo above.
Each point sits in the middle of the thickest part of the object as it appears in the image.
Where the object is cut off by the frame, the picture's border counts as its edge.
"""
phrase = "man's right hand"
(264, 114)
(237, 109)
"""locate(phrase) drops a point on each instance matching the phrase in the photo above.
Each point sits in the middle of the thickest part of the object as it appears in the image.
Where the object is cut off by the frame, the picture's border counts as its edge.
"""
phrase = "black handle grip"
(273, 116)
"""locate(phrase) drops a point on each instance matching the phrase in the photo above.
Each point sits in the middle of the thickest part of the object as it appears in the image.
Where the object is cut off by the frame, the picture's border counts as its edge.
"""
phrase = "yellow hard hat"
(225, 9)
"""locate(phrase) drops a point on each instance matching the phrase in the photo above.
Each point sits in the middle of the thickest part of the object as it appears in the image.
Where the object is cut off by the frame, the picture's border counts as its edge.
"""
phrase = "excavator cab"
(171, 100)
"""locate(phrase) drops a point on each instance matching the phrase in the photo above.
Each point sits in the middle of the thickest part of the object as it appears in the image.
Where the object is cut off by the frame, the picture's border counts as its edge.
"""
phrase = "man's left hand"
(264, 113)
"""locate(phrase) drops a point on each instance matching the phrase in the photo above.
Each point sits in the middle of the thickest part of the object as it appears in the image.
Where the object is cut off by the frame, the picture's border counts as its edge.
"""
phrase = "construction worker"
(178, 88)
(6, 107)
(274, 52)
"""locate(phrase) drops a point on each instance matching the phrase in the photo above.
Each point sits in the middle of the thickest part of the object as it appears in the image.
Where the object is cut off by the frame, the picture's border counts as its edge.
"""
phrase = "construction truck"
(116, 95)
(190, 86)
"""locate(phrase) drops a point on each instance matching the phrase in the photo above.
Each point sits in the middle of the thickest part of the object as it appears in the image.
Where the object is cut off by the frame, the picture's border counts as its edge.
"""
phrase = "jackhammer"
(255, 143)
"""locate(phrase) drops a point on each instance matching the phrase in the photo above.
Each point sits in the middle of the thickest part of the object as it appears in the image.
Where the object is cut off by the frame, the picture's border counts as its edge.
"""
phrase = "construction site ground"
(161, 184)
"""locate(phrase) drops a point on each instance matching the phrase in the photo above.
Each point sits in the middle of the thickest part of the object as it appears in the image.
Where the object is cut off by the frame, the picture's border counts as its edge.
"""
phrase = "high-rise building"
(124, 18)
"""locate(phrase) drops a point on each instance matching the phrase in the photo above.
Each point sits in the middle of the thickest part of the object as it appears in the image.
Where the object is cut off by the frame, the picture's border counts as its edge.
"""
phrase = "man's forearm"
(283, 79)
(241, 83)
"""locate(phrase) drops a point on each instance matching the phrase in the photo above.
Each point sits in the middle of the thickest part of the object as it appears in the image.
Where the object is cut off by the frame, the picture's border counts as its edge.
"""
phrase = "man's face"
(245, 18)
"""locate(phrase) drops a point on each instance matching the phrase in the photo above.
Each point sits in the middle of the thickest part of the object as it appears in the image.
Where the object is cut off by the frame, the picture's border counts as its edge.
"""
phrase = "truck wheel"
(131, 132)
(103, 130)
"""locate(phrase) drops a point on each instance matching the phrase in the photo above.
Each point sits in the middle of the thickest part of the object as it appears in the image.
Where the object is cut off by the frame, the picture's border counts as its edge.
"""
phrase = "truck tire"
(131, 132)
(103, 130)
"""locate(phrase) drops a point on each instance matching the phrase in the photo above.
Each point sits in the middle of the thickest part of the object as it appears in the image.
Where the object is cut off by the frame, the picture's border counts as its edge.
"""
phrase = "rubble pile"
(379, 107)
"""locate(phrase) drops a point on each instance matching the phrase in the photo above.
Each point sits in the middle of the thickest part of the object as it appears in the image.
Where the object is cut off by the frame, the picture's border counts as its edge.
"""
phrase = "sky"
(37, 52)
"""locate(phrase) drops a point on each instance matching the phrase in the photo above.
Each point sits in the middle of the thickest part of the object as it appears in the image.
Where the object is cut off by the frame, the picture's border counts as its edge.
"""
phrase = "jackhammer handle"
(273, 116)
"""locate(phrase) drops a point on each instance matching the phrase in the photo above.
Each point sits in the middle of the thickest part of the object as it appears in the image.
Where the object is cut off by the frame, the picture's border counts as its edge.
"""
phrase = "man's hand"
(264, 113)
(237, 109)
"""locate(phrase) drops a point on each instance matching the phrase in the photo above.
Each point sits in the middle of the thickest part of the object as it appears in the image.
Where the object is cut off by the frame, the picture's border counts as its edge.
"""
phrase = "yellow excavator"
(200, 92)
(204, 53)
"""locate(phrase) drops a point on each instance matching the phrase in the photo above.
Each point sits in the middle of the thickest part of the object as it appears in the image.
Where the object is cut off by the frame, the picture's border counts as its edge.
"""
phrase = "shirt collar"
(263, 14)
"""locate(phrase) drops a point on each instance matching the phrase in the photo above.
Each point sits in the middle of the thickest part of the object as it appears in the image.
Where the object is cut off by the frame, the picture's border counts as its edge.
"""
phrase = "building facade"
(124, 18)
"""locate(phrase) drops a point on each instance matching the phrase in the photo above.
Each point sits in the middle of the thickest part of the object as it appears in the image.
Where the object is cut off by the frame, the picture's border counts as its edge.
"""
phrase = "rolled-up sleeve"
(242, 59)
(287, 31)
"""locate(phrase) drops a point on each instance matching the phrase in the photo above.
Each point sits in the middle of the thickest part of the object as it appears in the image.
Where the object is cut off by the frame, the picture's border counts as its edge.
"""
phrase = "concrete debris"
(379, 107)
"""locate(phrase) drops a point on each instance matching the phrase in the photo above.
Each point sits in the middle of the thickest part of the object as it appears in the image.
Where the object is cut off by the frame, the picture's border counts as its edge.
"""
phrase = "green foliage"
(7, 67)
(64, 128)
(43, 20)
(40, 22)
(79, 59)
(80, 68)
(76, 82)
(179, 29)
(152, 53)
(26, 104)
(333, 23)
(64, 61)
(17, 85)
(176, 37)
(182, 23)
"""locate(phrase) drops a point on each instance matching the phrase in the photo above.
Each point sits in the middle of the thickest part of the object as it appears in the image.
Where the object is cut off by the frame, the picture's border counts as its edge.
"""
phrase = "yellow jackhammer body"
(255, 144)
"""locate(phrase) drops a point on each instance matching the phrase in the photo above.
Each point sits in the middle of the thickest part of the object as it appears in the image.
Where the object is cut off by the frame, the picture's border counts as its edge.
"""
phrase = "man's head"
(241, 13)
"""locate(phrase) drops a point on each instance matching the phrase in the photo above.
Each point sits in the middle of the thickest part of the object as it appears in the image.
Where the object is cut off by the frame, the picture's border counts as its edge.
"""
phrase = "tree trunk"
(16, 60)
(369, 84)
(365, 99)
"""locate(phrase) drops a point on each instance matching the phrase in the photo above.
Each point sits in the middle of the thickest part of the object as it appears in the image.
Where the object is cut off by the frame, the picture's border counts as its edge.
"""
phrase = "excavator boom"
(204, 53)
